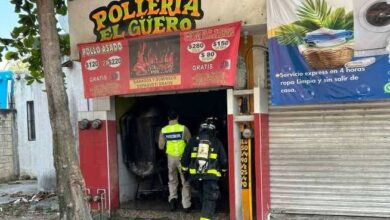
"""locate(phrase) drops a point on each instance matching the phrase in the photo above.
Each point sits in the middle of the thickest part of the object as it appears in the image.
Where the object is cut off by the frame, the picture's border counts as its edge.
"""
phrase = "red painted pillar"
(261, 127)
(99, 160)
(235, 197)
(232, 176)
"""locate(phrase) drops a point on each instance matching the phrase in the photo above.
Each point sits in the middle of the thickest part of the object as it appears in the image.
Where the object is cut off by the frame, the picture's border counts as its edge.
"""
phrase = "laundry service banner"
(324, 51)
(191, 60)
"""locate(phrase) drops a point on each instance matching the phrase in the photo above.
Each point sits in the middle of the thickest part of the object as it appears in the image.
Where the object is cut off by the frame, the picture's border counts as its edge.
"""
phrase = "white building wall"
(75, 89)
(35, 157)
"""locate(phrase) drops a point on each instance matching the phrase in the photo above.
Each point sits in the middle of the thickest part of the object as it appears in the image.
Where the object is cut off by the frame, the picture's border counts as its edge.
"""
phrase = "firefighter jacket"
(204, 157)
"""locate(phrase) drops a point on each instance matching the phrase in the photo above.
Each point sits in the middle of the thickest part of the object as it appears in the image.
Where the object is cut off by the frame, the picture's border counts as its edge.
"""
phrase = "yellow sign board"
(246, 179)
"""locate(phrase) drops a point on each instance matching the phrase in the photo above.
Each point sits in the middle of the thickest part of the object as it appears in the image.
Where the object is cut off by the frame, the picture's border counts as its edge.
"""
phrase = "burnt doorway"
(147, 115)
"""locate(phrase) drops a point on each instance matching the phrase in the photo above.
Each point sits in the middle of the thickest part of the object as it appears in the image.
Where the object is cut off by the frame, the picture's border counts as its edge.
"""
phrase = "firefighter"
(204, 161)
(175, 136)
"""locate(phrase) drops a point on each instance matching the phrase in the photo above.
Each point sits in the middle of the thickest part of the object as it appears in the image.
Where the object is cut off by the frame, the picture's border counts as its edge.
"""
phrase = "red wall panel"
(113, 157)
(232, 190)
(99, 162)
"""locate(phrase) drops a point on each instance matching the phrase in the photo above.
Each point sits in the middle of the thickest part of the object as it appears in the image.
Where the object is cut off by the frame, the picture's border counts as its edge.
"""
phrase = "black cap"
(172, 115)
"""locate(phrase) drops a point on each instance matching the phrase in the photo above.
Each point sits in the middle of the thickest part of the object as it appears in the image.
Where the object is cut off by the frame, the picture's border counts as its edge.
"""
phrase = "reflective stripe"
(211, 171)
(212, 155)
(203, 218)
(214, 171)
(184, 168)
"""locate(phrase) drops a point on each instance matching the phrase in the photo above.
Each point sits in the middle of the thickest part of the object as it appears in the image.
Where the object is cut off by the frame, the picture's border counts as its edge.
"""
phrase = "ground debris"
(33, 205)
(18, 195)
(31, 198)
(20, 200)
(41, 196)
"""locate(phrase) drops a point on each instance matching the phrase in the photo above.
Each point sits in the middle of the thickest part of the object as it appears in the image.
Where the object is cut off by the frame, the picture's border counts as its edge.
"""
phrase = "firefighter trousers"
(209, 194)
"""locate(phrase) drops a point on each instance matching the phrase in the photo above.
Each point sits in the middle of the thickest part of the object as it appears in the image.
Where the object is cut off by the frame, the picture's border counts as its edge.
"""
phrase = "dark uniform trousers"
(209, 194)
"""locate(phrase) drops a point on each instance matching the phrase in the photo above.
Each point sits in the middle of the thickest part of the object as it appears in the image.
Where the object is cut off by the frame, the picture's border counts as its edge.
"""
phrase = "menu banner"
(197, 59)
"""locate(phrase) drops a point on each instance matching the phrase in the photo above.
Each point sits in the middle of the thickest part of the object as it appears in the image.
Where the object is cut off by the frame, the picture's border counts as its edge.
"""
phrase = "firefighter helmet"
(208, 124)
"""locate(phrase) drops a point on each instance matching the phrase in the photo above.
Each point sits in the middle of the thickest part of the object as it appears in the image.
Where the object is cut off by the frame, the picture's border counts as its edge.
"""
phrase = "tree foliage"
(24, 44)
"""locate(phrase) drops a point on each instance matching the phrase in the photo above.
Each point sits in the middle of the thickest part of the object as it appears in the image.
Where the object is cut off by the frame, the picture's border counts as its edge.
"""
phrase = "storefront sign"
(141, 17)
(203, 58)
(325, 51)
(98, 20)
(245, 164)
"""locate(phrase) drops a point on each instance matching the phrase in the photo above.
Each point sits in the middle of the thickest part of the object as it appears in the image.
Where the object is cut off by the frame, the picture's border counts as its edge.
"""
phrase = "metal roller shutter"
(331, 159)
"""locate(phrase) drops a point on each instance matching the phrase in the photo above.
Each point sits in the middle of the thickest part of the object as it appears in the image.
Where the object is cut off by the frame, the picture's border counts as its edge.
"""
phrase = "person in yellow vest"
(174, 137)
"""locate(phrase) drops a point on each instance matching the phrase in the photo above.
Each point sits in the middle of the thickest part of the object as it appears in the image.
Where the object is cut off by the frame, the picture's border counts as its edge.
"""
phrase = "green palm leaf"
(291, 34)
(313, 15)
(314, 10)
(348, 21)
(309, 25)
(335, 20)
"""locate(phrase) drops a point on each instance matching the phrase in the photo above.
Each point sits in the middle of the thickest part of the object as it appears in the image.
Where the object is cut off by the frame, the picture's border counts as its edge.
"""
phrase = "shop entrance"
(143, 169)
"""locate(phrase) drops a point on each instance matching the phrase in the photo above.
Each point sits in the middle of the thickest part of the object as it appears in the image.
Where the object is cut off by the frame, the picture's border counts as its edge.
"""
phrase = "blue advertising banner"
(324, 51)
(5, 88)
